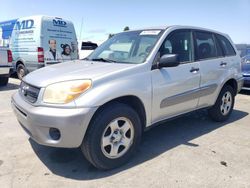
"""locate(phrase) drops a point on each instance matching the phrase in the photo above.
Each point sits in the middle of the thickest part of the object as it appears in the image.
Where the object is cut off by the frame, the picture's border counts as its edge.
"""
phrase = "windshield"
(127, 47)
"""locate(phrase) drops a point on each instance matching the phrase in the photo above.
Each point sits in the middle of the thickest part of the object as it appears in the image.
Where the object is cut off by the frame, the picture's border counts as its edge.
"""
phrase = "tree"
(111, 35)
(126, 28)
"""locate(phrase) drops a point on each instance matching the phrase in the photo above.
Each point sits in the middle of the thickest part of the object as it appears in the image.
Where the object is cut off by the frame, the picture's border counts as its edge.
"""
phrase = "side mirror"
(169, 60)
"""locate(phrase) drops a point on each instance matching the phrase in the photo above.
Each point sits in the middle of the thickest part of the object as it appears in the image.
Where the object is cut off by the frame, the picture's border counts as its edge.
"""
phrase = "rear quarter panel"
(25, 39)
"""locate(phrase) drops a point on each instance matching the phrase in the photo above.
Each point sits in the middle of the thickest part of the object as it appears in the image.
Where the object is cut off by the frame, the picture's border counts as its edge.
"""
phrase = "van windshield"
(127, 47)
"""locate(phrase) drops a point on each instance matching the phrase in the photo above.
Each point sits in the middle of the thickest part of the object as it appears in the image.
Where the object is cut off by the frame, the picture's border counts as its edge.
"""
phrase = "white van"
(38, 41)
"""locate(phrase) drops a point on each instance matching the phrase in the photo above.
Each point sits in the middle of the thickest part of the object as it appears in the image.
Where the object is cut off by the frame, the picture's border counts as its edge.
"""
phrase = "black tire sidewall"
(215, 111)
(21, 66)
(99, 125)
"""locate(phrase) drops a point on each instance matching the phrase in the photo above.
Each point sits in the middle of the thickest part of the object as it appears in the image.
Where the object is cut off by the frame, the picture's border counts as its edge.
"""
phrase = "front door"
(175, 88)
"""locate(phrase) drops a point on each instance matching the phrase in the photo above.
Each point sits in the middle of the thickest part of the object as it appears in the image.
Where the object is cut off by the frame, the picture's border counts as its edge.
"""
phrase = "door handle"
(223, 64)
(194, 70)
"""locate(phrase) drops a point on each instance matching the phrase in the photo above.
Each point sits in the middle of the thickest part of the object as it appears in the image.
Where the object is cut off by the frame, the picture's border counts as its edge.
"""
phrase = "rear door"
(58, 40)
(174, 88)
(231, 59)
(213, 66)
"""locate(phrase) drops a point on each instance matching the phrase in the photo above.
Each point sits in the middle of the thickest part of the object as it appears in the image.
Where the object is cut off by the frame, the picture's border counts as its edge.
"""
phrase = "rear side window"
(226, 46)
(205, 45)
(218, 47)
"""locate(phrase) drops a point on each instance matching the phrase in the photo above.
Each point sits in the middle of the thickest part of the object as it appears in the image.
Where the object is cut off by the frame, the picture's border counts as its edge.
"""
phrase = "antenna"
(80, 35)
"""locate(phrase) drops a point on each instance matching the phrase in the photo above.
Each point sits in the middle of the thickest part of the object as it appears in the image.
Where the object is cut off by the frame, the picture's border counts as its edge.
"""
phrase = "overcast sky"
(102, 17)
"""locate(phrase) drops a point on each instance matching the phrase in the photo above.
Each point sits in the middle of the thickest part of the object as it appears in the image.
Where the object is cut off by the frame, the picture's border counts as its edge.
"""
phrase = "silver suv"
(134, 80)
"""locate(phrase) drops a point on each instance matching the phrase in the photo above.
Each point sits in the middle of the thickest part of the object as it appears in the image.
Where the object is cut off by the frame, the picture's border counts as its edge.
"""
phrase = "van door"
(175, 88)
(58, 40)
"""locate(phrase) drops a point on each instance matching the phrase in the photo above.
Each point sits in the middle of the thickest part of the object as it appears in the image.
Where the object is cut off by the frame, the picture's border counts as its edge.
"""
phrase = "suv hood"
(73, 70)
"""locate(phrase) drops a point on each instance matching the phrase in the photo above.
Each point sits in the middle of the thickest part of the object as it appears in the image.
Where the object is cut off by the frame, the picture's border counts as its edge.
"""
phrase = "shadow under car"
(71, 163)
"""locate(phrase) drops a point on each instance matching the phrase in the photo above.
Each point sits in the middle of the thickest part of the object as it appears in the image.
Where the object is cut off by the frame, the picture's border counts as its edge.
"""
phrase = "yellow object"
(65, 92)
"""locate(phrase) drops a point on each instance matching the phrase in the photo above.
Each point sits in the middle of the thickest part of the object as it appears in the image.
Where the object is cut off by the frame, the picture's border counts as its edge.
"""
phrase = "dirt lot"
(191, 151)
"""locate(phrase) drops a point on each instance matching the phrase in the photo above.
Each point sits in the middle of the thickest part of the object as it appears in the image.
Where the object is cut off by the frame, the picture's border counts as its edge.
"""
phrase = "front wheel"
(224, 104)
(112, 137)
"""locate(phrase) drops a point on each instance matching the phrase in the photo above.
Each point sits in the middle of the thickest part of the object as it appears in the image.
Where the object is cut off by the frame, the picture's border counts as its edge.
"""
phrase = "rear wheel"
(112, 137)
(21, 71)
(223, 107)
(4, 81)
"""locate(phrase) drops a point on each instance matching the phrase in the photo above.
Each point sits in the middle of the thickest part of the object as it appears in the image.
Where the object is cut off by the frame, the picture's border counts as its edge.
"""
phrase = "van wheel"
(112, 137)
(223, 107)
(21, 71)
(4, 81)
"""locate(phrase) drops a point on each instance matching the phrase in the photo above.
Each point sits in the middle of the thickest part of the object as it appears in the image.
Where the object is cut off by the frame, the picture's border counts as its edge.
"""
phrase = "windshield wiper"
(104, 60)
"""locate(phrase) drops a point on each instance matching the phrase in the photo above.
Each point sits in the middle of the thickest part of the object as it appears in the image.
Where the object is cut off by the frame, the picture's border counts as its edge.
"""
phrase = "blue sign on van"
(59, 23)
(7, 28)
(25, 24)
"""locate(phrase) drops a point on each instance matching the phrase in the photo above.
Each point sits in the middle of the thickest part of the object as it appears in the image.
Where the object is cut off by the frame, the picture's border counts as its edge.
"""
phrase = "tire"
(221, 111)
(4, 81)
(21, 71)
(101, 152)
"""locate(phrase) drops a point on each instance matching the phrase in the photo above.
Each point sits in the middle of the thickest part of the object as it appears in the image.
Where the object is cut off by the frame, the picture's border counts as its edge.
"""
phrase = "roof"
(178, 27)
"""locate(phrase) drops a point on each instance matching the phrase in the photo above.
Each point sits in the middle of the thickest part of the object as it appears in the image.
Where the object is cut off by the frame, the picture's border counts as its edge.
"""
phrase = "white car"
(86, 48)
(5, 65)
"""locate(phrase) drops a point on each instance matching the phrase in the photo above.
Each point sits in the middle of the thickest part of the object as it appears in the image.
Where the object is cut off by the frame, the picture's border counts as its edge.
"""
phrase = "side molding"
(188, 95)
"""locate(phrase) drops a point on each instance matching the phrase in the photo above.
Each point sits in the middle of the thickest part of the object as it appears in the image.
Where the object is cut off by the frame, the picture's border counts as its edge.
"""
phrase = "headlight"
(65, 92)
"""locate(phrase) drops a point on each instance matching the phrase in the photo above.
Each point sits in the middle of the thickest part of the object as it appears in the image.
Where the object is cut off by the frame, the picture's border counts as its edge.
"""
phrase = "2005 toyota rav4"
(132, 81)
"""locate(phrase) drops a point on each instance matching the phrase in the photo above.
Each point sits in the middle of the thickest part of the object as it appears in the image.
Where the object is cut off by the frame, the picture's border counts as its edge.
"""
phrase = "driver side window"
(178, 42)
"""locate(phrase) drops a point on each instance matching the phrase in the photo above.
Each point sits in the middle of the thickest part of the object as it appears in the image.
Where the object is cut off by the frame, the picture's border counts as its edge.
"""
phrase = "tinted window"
(205, 45)
(226, 45)
(179, 43)
(88, 46)
(218, 48)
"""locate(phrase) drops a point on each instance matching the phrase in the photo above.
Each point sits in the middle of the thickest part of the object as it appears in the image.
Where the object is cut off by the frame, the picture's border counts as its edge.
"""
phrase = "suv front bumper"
(38, 121)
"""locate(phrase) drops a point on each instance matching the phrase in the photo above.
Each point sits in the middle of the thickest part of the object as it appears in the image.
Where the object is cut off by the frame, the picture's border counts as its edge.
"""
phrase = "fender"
(109, 89)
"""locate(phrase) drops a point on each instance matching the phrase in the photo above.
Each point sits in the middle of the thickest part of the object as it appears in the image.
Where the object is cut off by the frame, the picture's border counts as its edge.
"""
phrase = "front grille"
(246, 83)
(246, 74)
(29, 92)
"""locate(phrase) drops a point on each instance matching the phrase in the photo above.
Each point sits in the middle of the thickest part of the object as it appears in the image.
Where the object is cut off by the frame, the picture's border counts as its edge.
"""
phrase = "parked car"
(5, 65)
(86, 49)
(37, 41)
(246, 72)
(132, 81)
